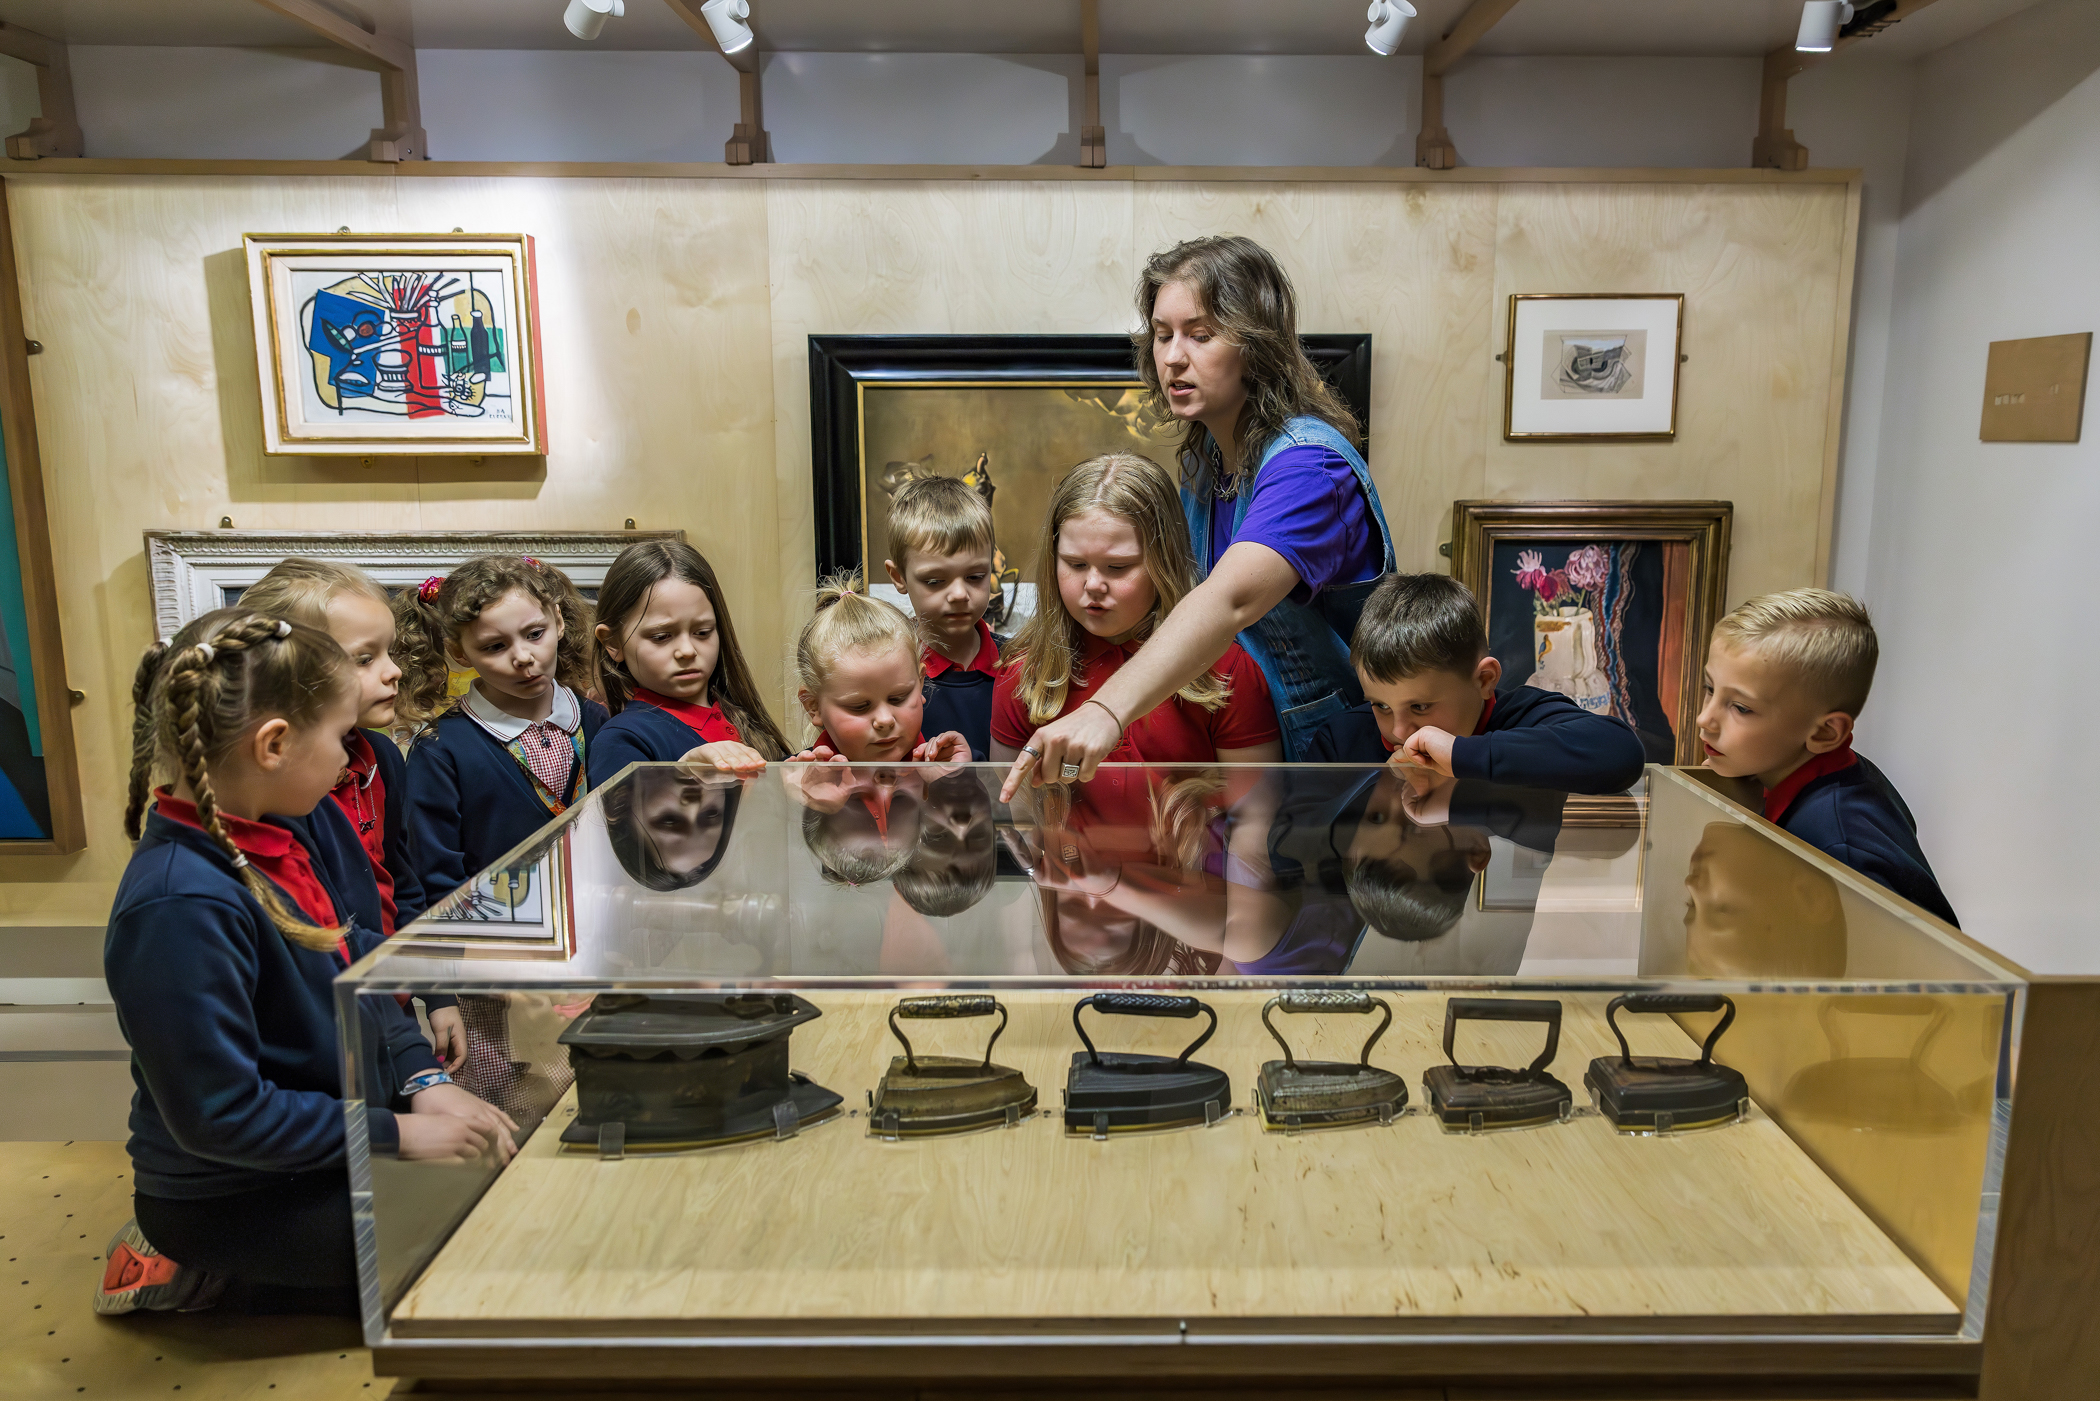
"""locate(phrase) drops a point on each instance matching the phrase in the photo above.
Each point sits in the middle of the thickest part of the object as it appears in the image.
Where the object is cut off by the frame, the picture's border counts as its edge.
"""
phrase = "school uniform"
(654, 729)
(1846, 808)
(373, 794)
(959, 696)
(472, 797)
(1176, 731)
(237, 1114)
(1526, 737)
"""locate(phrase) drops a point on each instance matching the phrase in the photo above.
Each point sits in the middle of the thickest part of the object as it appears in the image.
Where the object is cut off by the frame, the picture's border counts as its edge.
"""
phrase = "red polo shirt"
(361, 794)
(1175, 732)
(272, 850)
(986, 660)
(706, 721)
(1778, 800)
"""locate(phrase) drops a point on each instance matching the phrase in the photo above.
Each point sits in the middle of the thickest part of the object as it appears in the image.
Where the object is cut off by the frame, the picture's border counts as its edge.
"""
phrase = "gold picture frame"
(364, 345)
(1586, 367)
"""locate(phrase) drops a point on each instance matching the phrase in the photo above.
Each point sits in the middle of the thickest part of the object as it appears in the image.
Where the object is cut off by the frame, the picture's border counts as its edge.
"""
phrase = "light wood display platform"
(1567, 1230)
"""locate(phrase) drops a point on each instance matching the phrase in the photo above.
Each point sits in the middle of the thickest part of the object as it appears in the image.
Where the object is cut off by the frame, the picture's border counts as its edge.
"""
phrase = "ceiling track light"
(1821, 20)
(727, 19)
(1388, 22)
(586, 18)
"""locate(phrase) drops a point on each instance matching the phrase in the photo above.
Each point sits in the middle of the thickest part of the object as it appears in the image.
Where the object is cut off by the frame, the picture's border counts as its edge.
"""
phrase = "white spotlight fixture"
(726, 18)
(1388, 22)
(1820, 22)
(586, 18)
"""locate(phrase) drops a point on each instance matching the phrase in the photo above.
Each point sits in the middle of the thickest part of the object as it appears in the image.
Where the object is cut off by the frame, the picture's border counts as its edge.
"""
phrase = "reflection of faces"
(1101, 575)
(681, 816)
(871, 705)
(955, 831)
(1754, 909)
(1386, 833)
(1442, 700)
(1758, 720)
(875, 828)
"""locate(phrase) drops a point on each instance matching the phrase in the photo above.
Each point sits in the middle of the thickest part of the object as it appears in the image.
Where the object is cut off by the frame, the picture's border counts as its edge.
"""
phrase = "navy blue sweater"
(1857, 816)
(644, 734)
(232, 1029)
(1534, 739)
(400, 838)
(961, 700)
(469, 802)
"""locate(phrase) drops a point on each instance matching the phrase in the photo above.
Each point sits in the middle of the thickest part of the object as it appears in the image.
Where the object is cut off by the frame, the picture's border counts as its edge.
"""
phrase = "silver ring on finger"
(1031, 751)
(1069, 771)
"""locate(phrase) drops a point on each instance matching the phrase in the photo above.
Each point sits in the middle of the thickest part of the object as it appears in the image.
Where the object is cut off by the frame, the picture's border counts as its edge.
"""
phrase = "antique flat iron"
(1480, 1098)
(1667, 1094)
(924, 1095)
(686, 1070)
(1327, 1094)
(1125, 1090)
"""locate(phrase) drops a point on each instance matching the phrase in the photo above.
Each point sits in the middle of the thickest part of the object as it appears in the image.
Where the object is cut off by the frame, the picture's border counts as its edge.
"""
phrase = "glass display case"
(1322, 1067)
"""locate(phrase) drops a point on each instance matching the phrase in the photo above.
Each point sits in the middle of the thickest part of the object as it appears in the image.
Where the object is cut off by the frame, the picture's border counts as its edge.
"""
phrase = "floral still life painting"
(401, 344)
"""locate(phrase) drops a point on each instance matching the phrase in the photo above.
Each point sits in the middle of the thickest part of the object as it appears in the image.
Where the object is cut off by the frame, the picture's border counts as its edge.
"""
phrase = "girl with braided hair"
(238, 909)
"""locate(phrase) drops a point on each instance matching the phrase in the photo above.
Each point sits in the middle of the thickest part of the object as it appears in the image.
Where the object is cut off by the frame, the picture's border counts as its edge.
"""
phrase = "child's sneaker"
(136, 1276)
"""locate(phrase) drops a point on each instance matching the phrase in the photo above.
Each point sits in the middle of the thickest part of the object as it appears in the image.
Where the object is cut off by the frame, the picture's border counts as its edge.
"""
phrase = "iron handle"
(1144, 1004)
(1326, 1002)
(1504, 1009)
(1671, 1002)
(951, 1006)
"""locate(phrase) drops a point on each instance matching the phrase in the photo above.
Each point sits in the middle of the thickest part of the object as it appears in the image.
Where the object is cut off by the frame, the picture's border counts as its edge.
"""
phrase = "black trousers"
(286, 1248)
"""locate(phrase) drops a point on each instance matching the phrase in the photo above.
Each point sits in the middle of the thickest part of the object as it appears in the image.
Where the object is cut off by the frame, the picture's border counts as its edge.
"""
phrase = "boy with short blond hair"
(1786, 677)
(1421, 654)
(940, 554)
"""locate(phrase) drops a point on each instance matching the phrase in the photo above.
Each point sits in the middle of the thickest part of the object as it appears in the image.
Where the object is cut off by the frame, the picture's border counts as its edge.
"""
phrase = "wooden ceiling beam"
(402, 137)
(749, 143)
(1775, 147)
(55, 130)
(1093, 138)
(1434, 148)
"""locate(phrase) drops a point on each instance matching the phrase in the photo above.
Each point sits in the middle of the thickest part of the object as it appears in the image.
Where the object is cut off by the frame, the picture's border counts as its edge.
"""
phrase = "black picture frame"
(839, 365)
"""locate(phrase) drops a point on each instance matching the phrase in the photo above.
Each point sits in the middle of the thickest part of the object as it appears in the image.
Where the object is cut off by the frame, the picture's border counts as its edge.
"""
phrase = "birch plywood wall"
(675, 313)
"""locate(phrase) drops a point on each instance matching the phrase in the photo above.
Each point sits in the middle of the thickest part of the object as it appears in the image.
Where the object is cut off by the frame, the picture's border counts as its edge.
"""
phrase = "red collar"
(986, 660)
(706, 721)
(1778, 800)
(262, 839)
(1101, 647)
(363, 762)
(1479, 726)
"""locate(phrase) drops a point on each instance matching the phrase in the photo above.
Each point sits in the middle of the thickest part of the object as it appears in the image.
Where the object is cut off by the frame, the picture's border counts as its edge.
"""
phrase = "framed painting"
(1608, 602)
(40, 805)
(1592, 366)
(406, 344)
(1010, 415)
(521, 909)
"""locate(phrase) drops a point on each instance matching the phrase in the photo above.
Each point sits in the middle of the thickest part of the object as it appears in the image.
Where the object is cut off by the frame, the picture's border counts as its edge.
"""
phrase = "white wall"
(1602, 111)
(226, 104)
(1979, 556)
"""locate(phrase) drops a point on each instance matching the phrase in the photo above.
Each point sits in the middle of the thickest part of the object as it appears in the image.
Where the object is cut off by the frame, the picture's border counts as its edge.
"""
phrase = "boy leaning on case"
(1421, 653)
(1786, 677)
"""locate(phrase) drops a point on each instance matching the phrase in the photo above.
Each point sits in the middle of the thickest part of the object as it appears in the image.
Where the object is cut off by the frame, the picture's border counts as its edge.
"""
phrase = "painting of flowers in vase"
(1601, 622)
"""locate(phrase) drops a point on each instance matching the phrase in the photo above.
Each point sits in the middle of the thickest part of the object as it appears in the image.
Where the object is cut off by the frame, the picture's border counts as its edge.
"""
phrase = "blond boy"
(940, 555)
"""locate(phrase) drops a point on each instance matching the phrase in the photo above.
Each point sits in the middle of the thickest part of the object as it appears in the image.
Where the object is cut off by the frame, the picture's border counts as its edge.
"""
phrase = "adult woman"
(1284, 520)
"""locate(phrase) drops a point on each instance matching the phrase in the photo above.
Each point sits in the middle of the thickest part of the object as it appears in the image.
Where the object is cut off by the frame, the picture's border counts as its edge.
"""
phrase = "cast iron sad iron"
(687, 1070)
(1327, 1094)
(1478, 1098)
(1667, 1094)
(1124, 1090)
(925, 1095)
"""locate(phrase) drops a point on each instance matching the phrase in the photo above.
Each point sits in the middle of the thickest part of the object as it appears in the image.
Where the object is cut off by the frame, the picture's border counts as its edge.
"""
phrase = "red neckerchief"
(706, 721)
(1778, 800)
(986, 660)
(272, 850)
(1479, 726)
(361, 794)
(824, 738)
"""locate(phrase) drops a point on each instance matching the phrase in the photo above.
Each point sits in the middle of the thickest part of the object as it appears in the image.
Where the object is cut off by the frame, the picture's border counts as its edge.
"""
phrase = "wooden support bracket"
(402, 138)
(1434, 149)
(55, 131)
(1093, 138)
(1775, 147)
(748, 143)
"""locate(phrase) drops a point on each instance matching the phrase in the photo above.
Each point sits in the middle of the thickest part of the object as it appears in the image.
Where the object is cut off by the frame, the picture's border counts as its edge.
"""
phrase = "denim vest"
(1301, 648)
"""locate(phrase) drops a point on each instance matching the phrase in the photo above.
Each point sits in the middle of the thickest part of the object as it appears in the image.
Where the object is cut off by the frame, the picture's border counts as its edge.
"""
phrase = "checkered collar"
(566, 715)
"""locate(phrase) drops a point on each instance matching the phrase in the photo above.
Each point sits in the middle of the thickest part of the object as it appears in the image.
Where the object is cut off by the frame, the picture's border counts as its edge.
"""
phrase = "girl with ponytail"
(239, 907)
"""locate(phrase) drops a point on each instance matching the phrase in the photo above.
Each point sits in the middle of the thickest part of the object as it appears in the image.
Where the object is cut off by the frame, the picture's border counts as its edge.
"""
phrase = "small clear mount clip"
(612, 1141)
(787, 1120)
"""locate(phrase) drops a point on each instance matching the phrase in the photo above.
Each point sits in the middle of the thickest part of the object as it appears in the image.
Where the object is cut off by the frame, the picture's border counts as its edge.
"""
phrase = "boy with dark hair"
(1786, 676)
(1421, 654)
(941, 549)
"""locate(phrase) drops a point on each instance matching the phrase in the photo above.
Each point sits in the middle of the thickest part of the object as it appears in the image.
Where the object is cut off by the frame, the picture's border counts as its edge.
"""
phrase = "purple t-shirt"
(1308, 508)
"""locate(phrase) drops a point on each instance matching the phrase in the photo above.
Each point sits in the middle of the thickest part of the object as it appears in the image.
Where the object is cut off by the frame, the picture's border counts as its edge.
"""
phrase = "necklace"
(1225, 488)
(361, 810)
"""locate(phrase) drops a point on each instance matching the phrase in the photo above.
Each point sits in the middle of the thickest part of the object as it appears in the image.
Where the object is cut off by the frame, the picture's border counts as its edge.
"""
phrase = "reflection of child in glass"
(1421, 653)
(861, 821)
(670, 827)
(1408, 869)
(1753, 909)
(952, 867)
(1786, 677)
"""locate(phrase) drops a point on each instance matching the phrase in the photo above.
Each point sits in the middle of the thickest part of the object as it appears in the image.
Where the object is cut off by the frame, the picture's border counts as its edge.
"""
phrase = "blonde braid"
(193, 675)
(143, 743)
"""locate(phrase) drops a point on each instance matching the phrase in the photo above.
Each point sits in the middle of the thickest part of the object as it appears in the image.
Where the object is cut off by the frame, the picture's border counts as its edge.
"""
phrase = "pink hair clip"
(530, 560)
(428, 589)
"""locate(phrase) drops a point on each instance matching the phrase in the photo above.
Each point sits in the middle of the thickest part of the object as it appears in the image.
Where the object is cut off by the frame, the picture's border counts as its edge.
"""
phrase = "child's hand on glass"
(820, 754)
(728, 756)
(1428, 748)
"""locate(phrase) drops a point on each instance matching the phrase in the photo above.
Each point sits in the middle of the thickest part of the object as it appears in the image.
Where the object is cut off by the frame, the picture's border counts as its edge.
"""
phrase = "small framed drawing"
(519, 909)
(1607, 602)
(405, 344)
(1592, 366)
